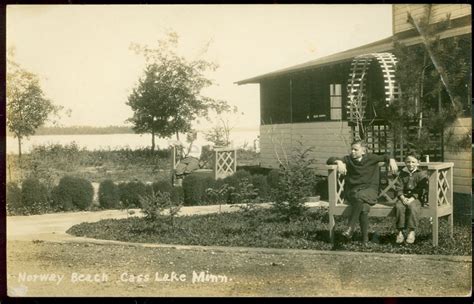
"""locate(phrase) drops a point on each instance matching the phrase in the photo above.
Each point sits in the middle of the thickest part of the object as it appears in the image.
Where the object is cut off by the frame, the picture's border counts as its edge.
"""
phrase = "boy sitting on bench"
(410, 186)
(361, 184)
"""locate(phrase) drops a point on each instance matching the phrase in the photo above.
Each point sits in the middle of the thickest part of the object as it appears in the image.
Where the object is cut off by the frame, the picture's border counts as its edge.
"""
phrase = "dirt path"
(38, 249)
(122, 270)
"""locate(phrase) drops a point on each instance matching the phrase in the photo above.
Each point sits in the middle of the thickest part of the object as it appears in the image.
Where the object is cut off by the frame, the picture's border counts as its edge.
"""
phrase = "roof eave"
(383, 45)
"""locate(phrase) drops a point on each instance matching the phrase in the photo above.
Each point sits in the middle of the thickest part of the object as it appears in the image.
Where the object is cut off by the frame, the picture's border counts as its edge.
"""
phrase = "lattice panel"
(225, 163)
(356, 94)
(340, 189)
(443, 193)
(388, 186)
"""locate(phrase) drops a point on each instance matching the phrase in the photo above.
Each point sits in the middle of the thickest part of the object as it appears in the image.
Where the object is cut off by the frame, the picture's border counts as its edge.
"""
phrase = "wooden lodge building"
(310, 102)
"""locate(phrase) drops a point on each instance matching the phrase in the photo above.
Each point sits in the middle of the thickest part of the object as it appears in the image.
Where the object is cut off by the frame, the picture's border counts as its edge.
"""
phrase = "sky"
(81, 52)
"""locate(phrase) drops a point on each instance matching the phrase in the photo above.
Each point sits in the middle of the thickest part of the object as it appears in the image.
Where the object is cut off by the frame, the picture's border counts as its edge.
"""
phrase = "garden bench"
(440, 195)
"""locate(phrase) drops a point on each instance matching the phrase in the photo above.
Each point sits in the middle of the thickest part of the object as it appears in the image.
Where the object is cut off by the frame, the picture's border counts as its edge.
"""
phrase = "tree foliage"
(435, 81)
(168, 96)
(27, 106)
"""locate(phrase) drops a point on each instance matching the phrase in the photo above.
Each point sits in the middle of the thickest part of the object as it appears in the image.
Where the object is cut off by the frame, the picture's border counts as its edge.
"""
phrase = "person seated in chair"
(188, 164)
(361, 184)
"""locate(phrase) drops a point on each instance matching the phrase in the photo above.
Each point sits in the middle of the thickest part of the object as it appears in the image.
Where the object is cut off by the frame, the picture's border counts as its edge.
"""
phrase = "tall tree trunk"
(177, 135)
(152, 142)
(19, 147)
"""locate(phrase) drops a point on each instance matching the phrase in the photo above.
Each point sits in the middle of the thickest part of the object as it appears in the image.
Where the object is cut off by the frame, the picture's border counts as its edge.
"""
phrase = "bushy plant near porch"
(261, 228)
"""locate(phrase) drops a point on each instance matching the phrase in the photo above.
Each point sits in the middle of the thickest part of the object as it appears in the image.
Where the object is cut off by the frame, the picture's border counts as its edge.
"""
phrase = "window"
(336, 101)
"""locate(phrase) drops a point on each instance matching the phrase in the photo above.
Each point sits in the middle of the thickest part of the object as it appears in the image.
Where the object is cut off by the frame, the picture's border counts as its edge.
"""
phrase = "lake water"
(118, 141)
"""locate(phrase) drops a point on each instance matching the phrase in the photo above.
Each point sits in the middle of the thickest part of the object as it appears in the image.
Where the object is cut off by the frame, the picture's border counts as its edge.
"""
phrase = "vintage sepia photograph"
(239, 150)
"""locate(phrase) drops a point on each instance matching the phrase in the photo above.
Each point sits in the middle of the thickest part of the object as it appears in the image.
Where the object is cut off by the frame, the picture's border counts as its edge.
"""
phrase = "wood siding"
(326, 138)
(462, 160)
(439, 12)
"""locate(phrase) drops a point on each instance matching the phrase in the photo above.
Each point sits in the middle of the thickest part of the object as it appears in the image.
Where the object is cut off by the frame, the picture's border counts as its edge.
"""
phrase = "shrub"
(73, 193)
(155, 203)
(177, 195)
(130, 193)
(35, 197)
(322, 188)
(109, 196)
(246, 194)
(273, 178)
(194, 188)
(235, 179)
(162, 186)
(254, 169)
(13, 197)
(260, 183)
(33, 192)
(219, 194)
(296, 182)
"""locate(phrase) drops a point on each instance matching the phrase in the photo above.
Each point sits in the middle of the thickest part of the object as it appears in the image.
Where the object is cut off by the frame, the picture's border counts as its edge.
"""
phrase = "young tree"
(27, 107)
(219, 134)
(168, 97)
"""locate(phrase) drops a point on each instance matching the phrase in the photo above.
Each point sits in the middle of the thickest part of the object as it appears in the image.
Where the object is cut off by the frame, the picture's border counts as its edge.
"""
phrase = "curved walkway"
(54, 226)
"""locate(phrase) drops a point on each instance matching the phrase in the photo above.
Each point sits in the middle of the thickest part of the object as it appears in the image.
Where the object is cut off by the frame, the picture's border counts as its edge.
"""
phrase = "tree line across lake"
(81, 130)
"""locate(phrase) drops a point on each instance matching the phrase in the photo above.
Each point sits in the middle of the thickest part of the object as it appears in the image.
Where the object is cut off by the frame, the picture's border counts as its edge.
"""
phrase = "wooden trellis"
(225, 162)
(356, 88)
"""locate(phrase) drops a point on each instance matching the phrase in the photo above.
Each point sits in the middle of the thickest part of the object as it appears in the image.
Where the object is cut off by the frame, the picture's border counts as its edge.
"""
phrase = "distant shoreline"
(83, 130)
(88, 130)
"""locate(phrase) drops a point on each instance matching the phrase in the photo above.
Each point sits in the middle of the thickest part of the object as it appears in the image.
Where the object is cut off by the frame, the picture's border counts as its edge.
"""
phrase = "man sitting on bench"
(191, 162)
(361, 184)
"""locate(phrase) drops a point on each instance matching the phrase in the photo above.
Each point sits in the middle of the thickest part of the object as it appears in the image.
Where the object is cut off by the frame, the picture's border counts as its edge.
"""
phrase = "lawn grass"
(260, 228)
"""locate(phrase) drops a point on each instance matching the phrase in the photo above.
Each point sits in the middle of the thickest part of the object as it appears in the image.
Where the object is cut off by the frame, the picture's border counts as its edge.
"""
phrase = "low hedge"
(33, 192)
(13, 197)
(194, 188)
(109, 195)
(73, 193)
(176, 193)
(130, 193)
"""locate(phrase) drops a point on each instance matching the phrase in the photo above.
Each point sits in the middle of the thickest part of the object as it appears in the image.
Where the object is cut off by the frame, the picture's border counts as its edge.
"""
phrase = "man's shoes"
(400, 238)
(348, 233)
(411, 237)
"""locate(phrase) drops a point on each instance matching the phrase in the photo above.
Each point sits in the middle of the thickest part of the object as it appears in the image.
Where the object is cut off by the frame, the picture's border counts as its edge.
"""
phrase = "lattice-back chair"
(439, 195)
(225, 162)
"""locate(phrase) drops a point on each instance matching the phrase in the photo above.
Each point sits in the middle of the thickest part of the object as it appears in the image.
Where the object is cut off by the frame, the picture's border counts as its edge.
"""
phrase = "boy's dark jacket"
(363, 174)
(412, 184)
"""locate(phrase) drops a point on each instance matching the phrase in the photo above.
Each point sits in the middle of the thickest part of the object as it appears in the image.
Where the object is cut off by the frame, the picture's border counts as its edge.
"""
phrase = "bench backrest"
(440, 184)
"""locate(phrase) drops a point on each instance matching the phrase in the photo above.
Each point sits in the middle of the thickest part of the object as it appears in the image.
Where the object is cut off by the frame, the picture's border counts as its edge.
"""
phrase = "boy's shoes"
(348, 233)
(375, 238)
(400, 238)
(411, 237)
